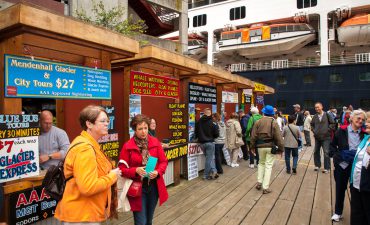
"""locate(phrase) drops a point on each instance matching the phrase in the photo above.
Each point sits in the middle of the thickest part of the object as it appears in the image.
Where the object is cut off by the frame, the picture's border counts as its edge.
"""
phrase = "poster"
(176, 152)
(33, 78)
(153, 85)
(135, 109)
(214, 108)
(194, 149)
(109, 143)
(178, 126)
(202, 94)
(19, 158)
(30, 206)
(191, 126)
(230, 97)
(192, 167)
(260, 100)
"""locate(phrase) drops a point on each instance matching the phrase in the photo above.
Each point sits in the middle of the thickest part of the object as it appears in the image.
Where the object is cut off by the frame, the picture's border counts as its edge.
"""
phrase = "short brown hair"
(234, 115)
(90, 113)
(217, 116)
(139, 119)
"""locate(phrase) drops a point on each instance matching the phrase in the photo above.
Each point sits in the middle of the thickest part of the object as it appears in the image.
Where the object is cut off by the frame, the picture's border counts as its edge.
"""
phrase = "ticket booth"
(57, 63)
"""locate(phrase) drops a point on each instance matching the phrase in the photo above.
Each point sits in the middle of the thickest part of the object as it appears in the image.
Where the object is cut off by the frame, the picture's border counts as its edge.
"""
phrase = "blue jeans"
(294, 152)
(149, 202)
(209, 151)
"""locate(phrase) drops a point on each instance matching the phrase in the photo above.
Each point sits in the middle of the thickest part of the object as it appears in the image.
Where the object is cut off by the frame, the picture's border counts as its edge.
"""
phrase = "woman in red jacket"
(136, 153)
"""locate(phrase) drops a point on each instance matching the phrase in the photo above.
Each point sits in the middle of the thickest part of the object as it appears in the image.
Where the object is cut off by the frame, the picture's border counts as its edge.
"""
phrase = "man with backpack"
(252, 120)
(244, 123)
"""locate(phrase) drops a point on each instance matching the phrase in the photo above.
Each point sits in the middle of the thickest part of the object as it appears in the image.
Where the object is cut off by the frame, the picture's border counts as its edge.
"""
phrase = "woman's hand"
(153, 174)
(117, 171)
(141, 171)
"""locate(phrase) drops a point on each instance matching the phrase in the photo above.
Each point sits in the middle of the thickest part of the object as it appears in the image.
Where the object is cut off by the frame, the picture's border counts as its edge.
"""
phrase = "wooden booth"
(151, 85)
(57, 63)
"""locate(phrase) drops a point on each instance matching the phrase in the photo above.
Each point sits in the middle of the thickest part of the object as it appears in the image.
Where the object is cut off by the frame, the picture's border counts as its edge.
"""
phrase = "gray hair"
(357, 113)
(254, 110)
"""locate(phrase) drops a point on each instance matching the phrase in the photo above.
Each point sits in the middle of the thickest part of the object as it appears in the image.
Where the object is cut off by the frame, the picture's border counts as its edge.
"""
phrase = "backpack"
(54, 181)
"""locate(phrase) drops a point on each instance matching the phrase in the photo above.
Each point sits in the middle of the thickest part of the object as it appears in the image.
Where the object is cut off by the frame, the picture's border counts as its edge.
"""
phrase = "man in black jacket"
(343, 149)
(207, 131)
(299, 117)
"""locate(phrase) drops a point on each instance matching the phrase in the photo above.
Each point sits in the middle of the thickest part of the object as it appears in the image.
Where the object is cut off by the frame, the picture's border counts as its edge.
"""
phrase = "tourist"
(343, 149)
(279, 120)
(360, 181)
(243, 119)
(53, 142)
(266, 134)
(291, 136)
(219, 142)
(88, 197)
(253, 157)
(322, 125)
(298, 116)
(136, 153)
(206, 131)
(233, 132)
(307, 128)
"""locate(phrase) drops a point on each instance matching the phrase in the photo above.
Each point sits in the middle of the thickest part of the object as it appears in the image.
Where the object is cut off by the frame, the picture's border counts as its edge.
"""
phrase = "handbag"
(136, 187)
(239, 140)
(274, 149)
(298, 140)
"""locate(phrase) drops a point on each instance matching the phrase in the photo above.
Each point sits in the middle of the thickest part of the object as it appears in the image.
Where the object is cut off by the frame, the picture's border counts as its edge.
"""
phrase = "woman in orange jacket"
(87, 196)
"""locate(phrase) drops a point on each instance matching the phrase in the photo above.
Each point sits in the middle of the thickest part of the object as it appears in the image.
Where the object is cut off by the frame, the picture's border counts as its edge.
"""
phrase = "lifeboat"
(197, 49)
(266, 40)
(355, 31)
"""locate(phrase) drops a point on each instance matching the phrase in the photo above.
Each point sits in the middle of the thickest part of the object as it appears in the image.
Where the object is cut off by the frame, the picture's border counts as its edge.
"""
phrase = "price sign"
(25, 77)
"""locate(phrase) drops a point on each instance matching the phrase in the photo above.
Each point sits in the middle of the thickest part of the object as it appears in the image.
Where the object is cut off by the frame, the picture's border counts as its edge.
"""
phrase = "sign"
(248, 92)
(135, 109)
(177, 126)
(29, 78)
(192, 167)
(13, 126)
(194, 149)
(259, 87)
(30, 206)
(109, 143)
(260, 100)
(19, 158)
(202, 94)
(247, 99)
(176, 152)
(152, 85)
(229, 97)
(191, 126)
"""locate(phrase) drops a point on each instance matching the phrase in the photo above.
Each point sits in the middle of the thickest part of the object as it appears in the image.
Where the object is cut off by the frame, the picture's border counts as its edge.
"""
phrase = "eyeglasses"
(104, 121)
(359, 118)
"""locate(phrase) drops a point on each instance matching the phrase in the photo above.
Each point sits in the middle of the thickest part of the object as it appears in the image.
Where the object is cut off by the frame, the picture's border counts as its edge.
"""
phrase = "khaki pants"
(234, 155)
(265, 166)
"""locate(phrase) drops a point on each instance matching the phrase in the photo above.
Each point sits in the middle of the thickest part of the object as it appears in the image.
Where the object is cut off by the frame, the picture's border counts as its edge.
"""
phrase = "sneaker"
(294, 171)
(316, 168)
(336, 217)
(258, 186)
(288, 171)
(325, 171)
(234, 165)
(266, 191)
(251, 166)
(215, 175)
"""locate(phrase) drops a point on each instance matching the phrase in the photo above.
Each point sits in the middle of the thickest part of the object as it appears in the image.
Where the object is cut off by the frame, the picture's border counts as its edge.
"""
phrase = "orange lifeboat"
(355, 31)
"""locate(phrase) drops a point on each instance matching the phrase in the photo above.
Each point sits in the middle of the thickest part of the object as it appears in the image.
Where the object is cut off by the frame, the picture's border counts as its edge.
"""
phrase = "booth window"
(308, 104)
(365, 104)
(36, 105)
(237, 13)
(200, 20)
(306, 3)
(281, 80)
(364, 76)
(336, 78)
(308, 78)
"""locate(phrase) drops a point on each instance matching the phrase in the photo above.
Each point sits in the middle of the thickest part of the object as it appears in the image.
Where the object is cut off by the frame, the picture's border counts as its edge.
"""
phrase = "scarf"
(142, 144)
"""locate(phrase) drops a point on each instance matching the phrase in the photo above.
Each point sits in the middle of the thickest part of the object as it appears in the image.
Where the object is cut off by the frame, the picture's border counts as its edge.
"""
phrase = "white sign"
(194, 149)
(248, 92)
(193, 167)
(230, 97)
(19, 158)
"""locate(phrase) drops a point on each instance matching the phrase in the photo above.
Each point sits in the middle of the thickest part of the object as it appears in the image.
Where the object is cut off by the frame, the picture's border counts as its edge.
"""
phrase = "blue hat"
(268, 110)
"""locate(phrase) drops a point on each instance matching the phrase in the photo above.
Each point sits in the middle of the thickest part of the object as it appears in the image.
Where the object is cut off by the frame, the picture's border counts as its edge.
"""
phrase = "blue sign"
(25, 77)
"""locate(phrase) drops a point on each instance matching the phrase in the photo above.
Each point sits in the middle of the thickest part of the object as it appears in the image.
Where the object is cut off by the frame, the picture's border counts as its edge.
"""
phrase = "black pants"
(307, 137)
(341, 177)
(360, 207)
(245, 152)
(218, 157)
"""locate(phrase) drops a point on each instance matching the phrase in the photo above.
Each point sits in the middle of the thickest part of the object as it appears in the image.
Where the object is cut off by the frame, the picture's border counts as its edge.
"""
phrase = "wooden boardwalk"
(302, 199)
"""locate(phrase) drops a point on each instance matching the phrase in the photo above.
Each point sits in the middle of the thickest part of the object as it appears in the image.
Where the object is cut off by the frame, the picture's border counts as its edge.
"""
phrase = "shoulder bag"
(136, 187)
(274, 149)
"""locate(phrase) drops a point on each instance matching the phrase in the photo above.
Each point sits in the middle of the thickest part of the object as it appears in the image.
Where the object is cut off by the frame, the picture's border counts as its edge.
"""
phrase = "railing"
(309, 62)
(203, 3)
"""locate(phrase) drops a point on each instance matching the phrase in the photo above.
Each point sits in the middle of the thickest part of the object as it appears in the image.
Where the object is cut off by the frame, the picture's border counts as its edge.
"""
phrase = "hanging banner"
(33, 78)
(260, 100)
(152, 85)
(30, 206)
(202, 94)
(134, 109)
(109, 143)
(178, 125)
(176, 152)
(229, 97)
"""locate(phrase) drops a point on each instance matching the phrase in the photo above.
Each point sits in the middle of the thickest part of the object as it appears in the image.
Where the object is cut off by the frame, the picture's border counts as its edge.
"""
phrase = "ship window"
(336, 78)
(274, 30)
(365, 104)
(200, 20)
(364, 76)
(335, 103)
(282, 80)
(230, 36)
(282, 29)
(281, 104)
(308, 104)
(308, 78)
(253, 33)
(289, 28)
(237, 13)
(306, 3)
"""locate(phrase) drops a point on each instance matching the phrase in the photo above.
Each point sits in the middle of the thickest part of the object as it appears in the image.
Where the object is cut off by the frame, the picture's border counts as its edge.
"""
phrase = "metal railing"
(203, 3)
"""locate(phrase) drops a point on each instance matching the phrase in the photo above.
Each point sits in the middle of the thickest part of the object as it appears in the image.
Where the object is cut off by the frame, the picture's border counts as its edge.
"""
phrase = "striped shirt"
(56, 140)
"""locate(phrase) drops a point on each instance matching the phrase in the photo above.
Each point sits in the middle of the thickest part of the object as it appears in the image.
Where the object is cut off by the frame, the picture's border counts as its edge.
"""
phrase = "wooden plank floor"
(302, 199)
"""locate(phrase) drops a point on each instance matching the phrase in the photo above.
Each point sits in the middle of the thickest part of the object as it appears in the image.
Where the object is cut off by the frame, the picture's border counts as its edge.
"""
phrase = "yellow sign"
(259, 87)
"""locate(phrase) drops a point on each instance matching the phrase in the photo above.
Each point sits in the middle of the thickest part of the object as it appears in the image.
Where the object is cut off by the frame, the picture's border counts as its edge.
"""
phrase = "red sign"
(152, 85)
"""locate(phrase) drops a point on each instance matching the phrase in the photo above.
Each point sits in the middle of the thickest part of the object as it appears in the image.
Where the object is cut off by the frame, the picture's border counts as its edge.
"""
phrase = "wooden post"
(219, 88)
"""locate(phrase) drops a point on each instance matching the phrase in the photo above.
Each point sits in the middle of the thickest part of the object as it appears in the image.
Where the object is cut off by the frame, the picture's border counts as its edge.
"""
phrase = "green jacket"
(252, 120)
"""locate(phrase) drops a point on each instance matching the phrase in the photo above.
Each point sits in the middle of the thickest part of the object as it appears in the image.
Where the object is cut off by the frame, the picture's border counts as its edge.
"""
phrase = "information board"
(202, 94)
(33, 78)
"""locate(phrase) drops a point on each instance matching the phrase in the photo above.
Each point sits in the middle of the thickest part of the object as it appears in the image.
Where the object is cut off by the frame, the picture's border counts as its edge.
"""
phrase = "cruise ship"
(308, 50)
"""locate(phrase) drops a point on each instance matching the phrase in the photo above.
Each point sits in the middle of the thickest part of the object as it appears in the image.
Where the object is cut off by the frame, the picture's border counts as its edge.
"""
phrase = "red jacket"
(131, 154)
